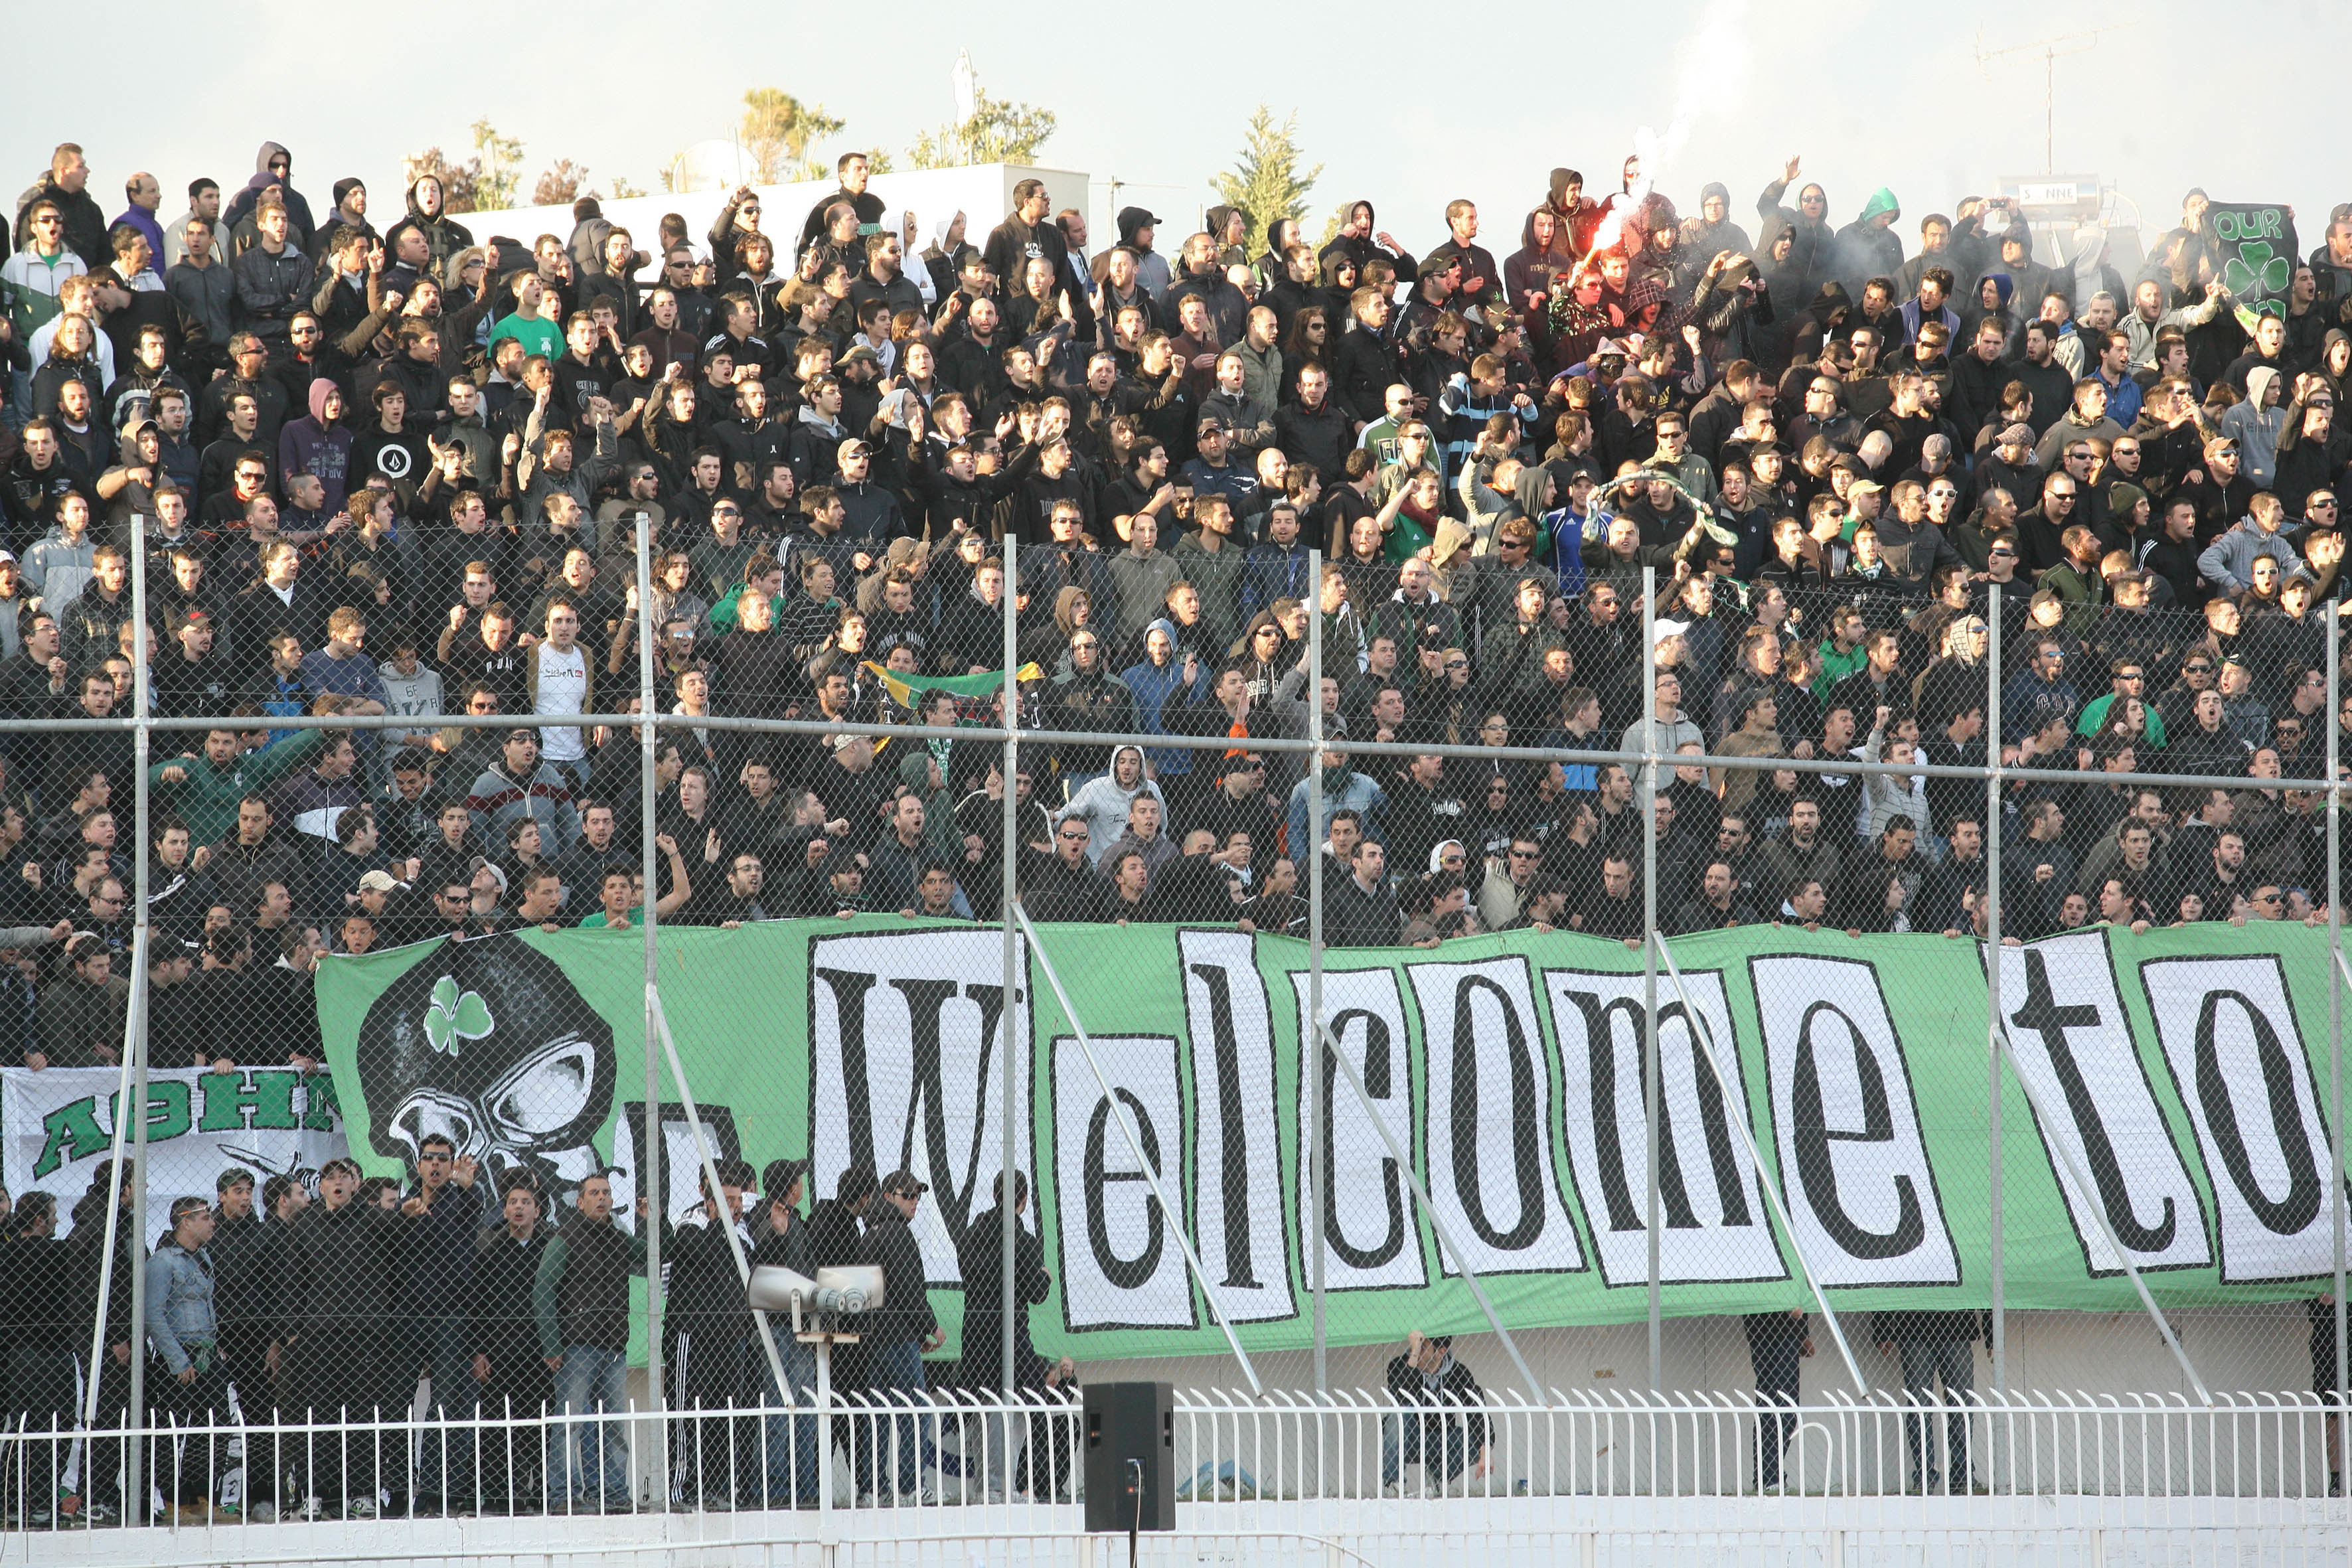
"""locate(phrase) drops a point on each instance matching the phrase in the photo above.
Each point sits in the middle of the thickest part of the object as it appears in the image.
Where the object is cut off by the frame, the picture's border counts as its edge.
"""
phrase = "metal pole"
(134, 1496)
(1650, 1086)
(1008, 888)
(2081, 1181)
(114, 1165)
(650, 1163)
(1704, 1039)
(1310, 1147)
(2335, 1005)
(1175, 1213)
(1403, 1158)
(1992, 830)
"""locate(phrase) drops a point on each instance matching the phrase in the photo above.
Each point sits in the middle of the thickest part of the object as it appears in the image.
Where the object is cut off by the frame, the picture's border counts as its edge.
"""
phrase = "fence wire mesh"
(375, 962)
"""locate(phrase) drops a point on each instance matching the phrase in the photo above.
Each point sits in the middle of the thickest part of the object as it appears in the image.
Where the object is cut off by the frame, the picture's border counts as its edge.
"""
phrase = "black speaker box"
(1128, 1422)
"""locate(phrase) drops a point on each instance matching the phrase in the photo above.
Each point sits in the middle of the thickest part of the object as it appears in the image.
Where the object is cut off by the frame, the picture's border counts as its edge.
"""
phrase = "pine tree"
(1265, 182)
(778, 131)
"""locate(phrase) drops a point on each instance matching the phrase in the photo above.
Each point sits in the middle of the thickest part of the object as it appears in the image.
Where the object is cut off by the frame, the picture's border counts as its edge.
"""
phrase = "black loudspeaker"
(1126, 1424)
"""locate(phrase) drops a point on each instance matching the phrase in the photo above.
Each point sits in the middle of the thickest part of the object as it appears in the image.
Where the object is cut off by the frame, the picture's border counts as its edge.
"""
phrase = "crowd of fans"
(397, 472)
(383, 465)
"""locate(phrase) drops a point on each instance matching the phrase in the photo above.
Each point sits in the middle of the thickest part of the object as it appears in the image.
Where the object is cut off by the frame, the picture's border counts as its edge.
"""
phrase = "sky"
(1866, 93)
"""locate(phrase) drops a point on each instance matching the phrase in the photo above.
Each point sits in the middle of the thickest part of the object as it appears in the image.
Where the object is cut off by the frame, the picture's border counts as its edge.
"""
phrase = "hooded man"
(1104, 803)
(1868, 247)
(443, 237)
(1809, 260)
(1712, 230)
(274, 165)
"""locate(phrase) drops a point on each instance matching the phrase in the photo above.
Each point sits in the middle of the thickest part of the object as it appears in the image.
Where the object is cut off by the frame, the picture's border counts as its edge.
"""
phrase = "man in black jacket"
(243, 1274)
(506, 1367)
(895, 1340)
(1427, 1375)
(981, 1260)
(716, 1354)
(439, 1220)
(338, 1290)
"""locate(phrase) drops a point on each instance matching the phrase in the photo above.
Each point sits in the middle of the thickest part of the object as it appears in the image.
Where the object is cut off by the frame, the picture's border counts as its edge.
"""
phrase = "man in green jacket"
(204, 791)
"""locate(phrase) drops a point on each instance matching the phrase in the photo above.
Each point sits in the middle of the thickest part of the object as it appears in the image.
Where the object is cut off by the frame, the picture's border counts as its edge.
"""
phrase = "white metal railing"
(1234, 1453)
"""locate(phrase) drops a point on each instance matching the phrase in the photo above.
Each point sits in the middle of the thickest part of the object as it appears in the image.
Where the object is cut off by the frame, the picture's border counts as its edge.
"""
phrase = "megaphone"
(834, 1292)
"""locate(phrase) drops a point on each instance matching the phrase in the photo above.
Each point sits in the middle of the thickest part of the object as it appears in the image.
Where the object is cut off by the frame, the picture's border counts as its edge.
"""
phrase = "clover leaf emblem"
(2256, 271)
(454, 1017)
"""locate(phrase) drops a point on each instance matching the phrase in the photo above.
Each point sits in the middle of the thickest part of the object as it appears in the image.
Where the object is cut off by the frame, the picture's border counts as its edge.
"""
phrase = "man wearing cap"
(896, 1336)
(873, 511)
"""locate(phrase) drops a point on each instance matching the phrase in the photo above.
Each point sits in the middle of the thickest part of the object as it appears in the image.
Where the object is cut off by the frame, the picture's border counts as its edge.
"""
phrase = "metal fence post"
(649, 1160)
(1992, 830)
(134, 1492)
(2336, 1007)
(1008, 889)
(1311, 1054)
(1650, 1100)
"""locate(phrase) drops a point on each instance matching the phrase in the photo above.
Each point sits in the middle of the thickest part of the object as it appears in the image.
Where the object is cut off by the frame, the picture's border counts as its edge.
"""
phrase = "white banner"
(59, 1124)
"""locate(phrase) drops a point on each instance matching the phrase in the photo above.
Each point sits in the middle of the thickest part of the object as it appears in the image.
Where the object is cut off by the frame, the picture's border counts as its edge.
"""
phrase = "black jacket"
(905, 1314)
(981, 1260)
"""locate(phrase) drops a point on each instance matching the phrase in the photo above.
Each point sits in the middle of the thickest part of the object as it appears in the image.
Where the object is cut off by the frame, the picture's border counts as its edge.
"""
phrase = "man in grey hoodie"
(1103, 804)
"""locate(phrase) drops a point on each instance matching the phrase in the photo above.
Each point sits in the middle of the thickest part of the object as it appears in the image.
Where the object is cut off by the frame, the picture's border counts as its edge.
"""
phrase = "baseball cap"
(859, 351)
(9, 556)
(854, 447)
(481, 863)
(1865, 487)
(1662, 630)
(904, 1184)
(1209, 421)
(378, 882)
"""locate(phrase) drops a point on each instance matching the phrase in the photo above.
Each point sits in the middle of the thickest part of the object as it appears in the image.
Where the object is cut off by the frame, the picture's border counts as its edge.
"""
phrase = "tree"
(998, 132)
(1335, 223)
(561, 185)
(624, 188)
(777, 132)
(496, 168)
(1264, 182)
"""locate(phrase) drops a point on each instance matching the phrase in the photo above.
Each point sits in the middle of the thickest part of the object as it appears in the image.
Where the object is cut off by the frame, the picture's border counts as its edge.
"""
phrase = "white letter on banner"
(1371, 1231)
(2071, 1040)
(1491, 1173)
(905, 1072)
(1118, 1259)
(1854, 1159)
(1718, 1227)
(2239, 1064)
(1237, 1149)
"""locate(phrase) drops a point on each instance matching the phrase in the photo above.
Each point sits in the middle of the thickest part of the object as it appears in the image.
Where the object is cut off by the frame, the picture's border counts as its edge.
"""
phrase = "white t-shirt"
(562, 688)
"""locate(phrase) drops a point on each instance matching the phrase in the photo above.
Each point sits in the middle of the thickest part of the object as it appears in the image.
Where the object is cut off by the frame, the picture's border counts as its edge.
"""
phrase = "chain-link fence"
(1645, 928)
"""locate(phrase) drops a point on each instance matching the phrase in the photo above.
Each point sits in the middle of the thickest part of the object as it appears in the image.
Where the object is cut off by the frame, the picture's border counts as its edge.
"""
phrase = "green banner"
(2184, 1072)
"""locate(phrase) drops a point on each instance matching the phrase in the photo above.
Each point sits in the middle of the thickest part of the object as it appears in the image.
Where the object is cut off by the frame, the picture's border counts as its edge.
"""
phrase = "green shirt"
(2095, 713)
(538, 337)
(636, 915)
